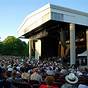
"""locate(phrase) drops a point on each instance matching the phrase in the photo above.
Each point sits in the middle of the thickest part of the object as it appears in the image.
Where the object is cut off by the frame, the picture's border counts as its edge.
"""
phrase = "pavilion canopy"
(83, 54)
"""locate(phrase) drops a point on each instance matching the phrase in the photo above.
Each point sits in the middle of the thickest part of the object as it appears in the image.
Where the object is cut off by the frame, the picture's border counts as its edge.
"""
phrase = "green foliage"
(1, 47)
(13, 46)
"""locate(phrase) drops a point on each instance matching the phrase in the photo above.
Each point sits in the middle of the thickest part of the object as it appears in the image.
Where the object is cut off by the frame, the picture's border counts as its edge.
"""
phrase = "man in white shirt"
(35, 75)
(82, 86)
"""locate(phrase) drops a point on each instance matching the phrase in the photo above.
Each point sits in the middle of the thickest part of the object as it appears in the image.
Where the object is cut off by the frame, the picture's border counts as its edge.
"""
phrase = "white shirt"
(82, 86)
(50, 72)
(36, 76)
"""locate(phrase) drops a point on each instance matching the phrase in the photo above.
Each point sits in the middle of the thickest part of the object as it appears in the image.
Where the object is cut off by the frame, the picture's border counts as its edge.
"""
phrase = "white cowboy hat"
(71, 78)
(10, 69)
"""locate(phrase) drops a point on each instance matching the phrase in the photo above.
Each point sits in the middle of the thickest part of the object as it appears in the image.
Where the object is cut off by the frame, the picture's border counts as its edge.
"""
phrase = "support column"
(72, 44)
(30, 48)
(37, 49)
(87, 44)
(62, 52)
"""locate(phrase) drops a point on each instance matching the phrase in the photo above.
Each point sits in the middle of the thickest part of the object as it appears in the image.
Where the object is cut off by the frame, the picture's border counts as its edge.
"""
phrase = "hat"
(71, 78)
(25, 75)
(10, 69)
(49, 80)
(9, 66)
(18, 68)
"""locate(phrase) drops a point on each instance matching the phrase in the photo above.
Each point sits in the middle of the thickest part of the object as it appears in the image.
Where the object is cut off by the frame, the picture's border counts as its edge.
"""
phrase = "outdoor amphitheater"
(58, 38)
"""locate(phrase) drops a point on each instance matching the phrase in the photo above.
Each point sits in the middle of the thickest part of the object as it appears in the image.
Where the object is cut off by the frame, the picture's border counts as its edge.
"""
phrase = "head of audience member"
(49, 80)
(71, 78)
(35, 70)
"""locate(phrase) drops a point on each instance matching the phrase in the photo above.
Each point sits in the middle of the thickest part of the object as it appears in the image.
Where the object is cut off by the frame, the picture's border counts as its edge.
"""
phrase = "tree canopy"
(13, 46)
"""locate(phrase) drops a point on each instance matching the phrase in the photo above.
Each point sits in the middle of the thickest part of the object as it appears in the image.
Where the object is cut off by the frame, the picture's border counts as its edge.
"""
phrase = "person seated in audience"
(49, 83)
(50, 71)
(25, 75)
(3, 82)
(13, 76)
(36, 76)
(82, 86)
(71, 80)
(83, 82)
(1, 78)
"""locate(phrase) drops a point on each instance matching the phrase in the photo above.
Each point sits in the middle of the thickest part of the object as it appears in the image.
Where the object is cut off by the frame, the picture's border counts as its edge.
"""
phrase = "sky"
(13, 12)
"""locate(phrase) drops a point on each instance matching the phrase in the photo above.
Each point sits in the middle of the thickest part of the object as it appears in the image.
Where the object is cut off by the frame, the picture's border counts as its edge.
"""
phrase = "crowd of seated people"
(41, 74)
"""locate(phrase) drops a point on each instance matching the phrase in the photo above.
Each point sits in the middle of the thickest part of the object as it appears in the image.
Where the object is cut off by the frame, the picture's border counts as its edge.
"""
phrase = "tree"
(14, 46)
(1, 48)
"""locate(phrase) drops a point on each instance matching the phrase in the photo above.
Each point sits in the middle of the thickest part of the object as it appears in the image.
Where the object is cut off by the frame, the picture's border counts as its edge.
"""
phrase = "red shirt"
(46, 86)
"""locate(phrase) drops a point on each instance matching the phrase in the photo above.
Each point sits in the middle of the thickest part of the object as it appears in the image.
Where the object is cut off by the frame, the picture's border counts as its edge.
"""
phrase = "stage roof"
(51, 13)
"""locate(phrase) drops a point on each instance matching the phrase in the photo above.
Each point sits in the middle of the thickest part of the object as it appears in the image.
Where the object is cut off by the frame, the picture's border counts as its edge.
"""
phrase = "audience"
(50, 72)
